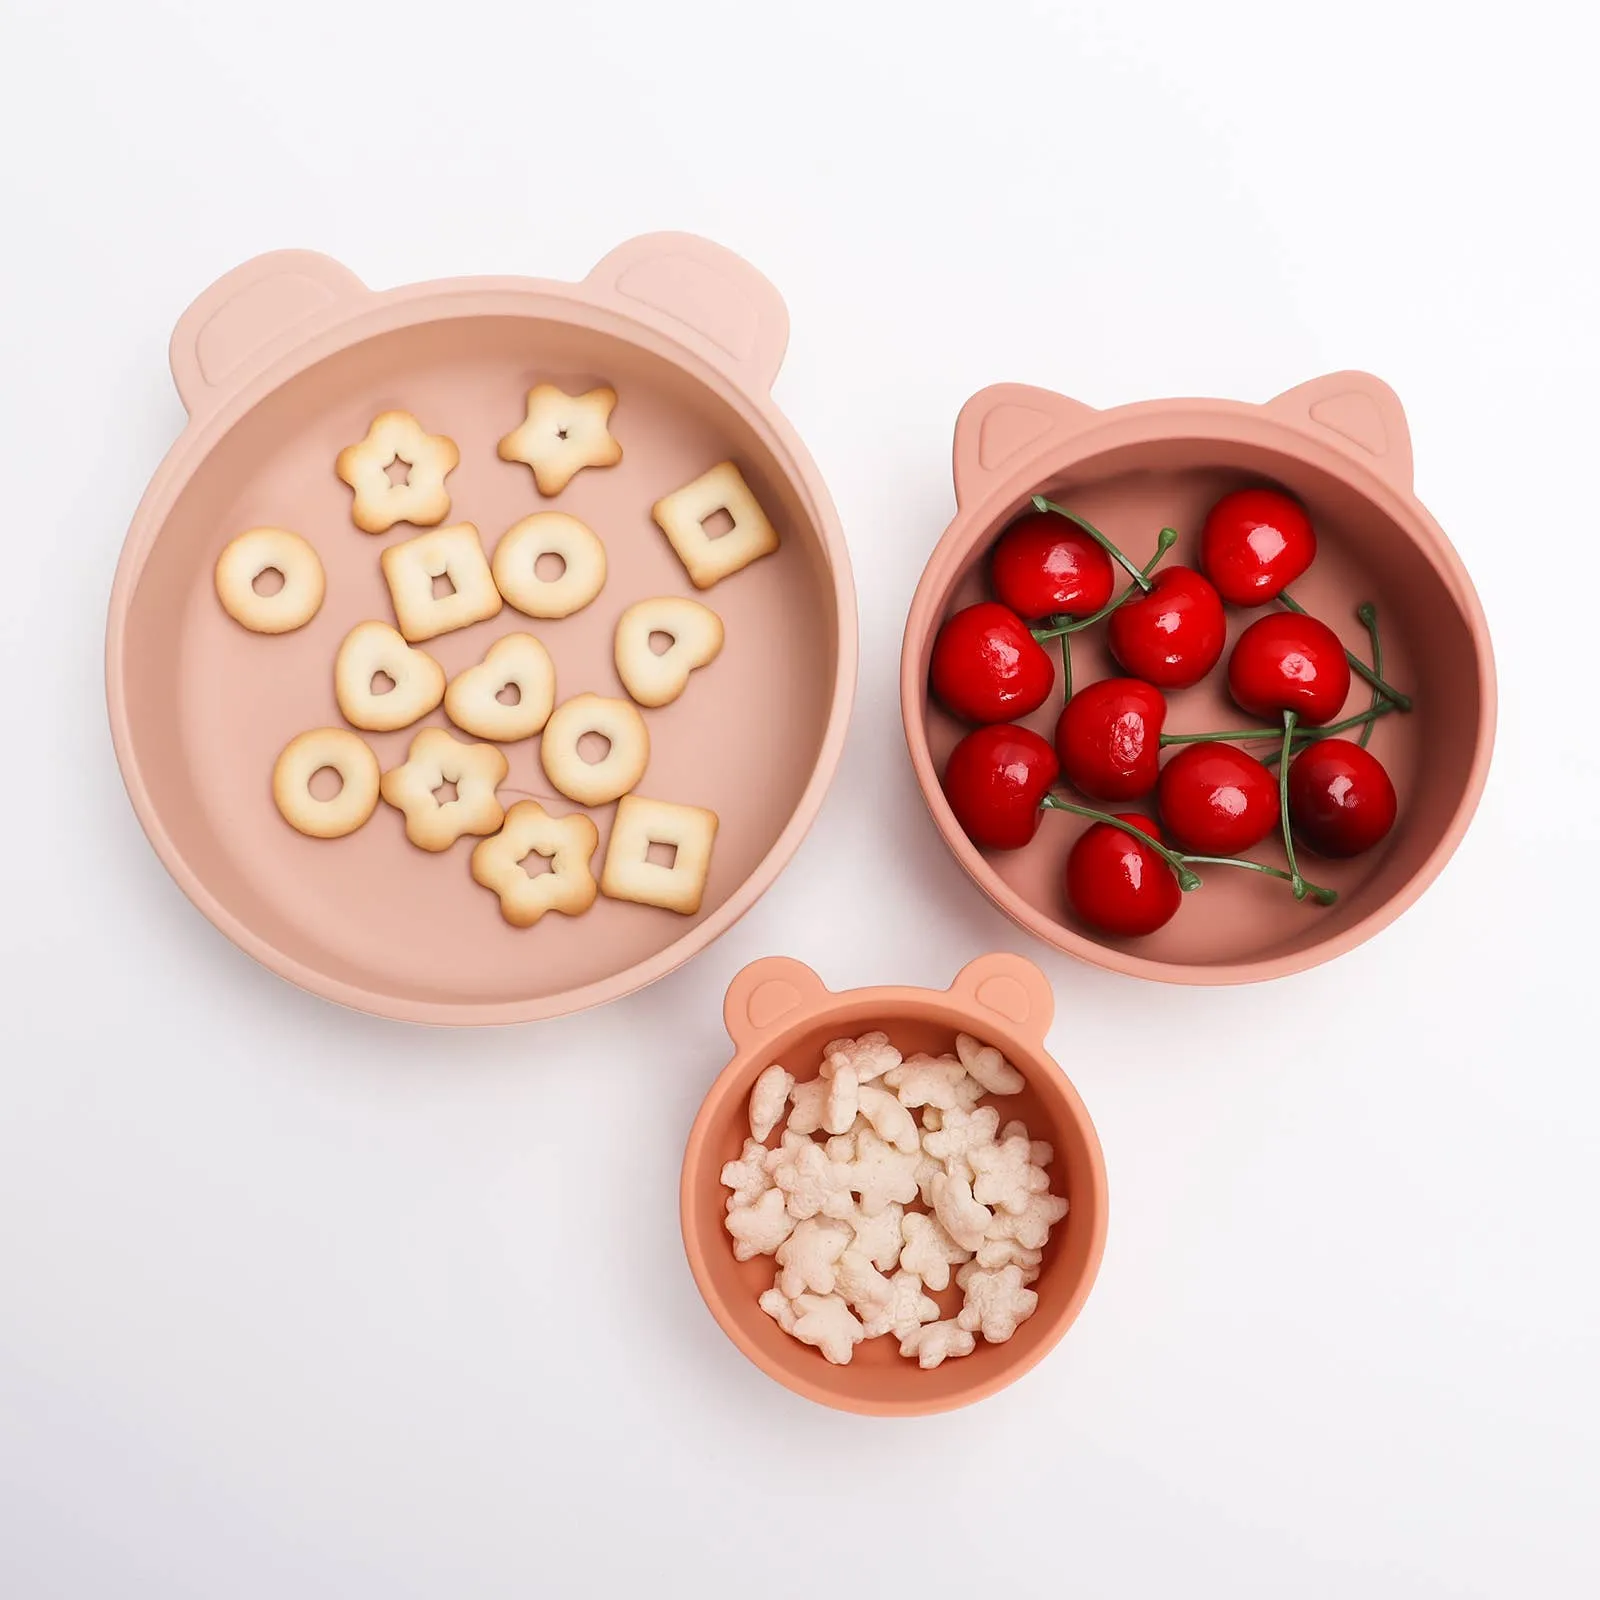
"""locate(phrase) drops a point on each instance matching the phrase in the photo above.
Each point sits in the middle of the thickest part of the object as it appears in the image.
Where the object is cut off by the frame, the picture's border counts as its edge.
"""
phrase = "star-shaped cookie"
(562, 434)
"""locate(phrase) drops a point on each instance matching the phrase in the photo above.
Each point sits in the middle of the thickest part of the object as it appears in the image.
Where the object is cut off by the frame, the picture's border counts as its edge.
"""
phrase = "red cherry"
(1341, 801)
(1043, 566)
(987, 667)
(1287, 662)
(1172, 636)
(995, 780)
(1255, 543)
(1216, 800)
(1118, 884)
(1108, 738)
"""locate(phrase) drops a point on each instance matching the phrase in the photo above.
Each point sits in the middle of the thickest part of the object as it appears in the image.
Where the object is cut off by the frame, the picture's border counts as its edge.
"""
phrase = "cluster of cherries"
(1053, 575)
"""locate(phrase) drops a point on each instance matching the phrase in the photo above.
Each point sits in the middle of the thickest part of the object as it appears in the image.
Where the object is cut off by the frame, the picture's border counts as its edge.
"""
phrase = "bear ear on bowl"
(998, 423)
(1010, 988)
(731, 313)
(765, 993)
(1362, 413)
(230, 327)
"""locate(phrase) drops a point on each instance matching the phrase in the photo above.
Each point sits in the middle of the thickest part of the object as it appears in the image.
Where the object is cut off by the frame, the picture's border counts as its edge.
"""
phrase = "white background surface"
(294, 1302)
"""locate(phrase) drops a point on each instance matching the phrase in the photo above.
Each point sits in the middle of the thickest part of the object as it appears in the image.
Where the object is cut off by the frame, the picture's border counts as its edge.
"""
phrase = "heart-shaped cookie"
(383, 683)
(508, 695)
(695, 635)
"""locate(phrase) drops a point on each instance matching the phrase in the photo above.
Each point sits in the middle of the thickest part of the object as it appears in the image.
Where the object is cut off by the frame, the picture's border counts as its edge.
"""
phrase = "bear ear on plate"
(1359, 413)
(1001, 423)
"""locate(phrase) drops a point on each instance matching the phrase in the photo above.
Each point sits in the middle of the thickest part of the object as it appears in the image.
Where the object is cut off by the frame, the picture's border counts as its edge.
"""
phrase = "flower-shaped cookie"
(420, 788)
(567, 844)
(562, 434)
(413, 493)
(843, 1100)
(995, 1303)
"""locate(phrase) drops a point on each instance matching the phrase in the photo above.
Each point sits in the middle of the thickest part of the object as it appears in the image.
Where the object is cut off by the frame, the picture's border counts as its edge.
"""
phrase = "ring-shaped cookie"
(260, 550)
(549, 533)
(307, 754)
(595, 783)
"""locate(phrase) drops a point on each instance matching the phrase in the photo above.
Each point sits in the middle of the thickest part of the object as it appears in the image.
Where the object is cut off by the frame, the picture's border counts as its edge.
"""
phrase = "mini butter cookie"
(567, 844)
(302, 759)
(446, 788)
(414, 493)
(694, 638)
(594, 783)
(562, 434)
(439, 581)
(707, 558)
(517, 666)
(248, 559)
(688, 832)
(374, 655)
(549, 533)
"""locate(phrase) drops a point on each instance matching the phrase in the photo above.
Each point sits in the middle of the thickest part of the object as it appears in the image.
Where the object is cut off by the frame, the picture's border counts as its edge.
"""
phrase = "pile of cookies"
(834, 1202)
(441, 580)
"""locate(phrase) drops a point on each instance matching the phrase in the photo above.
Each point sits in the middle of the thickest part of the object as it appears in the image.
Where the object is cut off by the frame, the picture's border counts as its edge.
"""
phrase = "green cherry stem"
(1357, 665)
(1246, 735)
(1323, 897)
(1186, 879)
(1180, 863)
(1368, 613)
(1296, 882)
(1056, 630)
(1066, 666)
(1041, 504)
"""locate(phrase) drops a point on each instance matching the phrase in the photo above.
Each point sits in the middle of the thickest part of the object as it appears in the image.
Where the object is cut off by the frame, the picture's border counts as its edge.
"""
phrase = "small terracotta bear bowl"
(779, 1010)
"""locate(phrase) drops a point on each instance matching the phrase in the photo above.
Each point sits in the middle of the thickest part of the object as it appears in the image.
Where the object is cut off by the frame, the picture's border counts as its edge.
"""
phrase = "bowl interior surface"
(1362, 554)
(879, 1379)
(210, 705)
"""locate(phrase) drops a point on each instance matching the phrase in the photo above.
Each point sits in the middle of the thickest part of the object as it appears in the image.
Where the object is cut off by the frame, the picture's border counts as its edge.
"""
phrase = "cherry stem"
(1066, 667)
(1186, 879)
(1164, 542)
(1296, 882)
(1041, 504)
(1323, 897)
(1357, 665)
(1181, 863)
(1368, 613)
(1246, 735)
